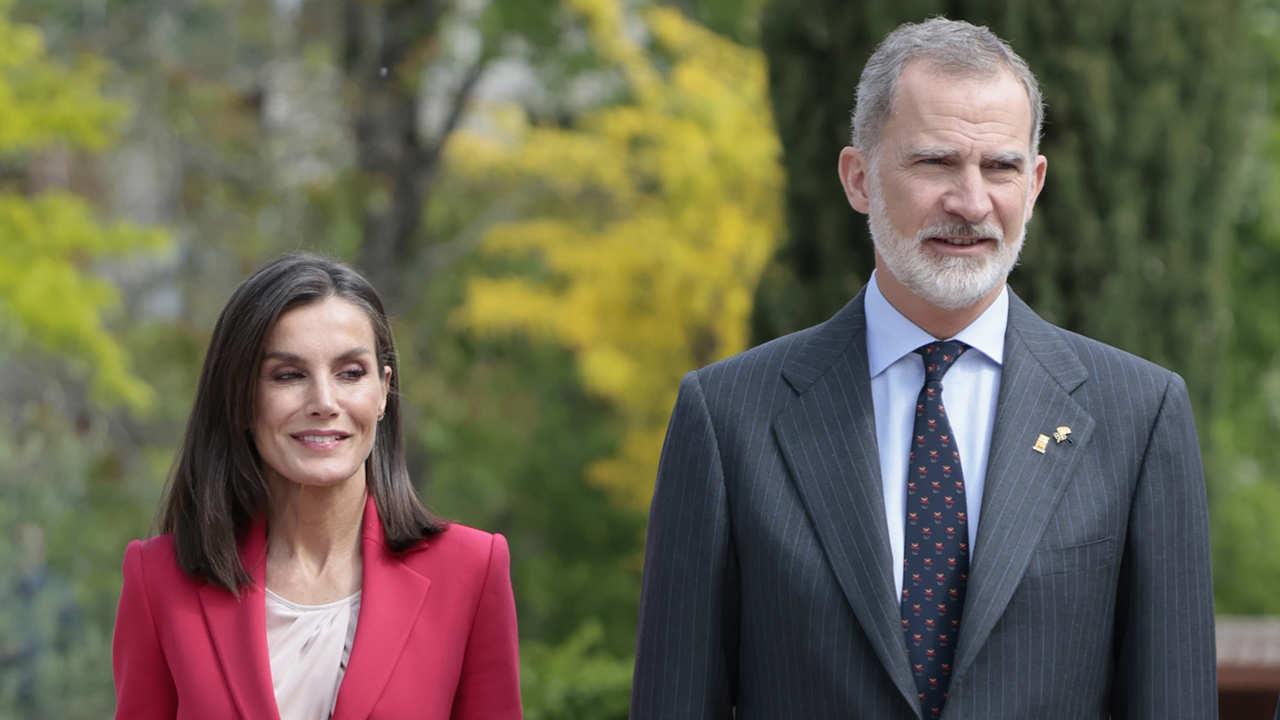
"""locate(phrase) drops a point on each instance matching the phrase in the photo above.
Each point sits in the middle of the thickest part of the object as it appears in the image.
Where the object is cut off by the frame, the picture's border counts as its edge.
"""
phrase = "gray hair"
(953, 46)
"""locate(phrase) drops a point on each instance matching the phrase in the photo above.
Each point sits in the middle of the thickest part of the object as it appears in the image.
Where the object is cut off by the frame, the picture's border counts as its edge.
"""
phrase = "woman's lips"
(320, 440)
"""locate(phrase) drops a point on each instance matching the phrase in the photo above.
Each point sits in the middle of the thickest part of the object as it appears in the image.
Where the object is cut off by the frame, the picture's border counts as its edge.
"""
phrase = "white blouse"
(309, 646)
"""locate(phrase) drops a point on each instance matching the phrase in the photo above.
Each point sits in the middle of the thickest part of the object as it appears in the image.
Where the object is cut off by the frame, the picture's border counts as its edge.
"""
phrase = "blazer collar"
(390, 603)
(238, 627)
(827, 435)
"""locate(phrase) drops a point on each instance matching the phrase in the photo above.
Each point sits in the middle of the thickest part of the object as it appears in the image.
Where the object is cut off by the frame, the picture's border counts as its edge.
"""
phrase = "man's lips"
(961, 244)
(961, 240)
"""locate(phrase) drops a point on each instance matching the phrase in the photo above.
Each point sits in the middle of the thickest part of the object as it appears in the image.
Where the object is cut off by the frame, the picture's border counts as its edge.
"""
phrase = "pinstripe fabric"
(767, 584)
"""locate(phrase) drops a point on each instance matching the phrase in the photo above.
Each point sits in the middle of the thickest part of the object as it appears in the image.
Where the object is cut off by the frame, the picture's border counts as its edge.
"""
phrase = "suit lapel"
(391, 599)
(1022, 485)
(238, 628)
(827, 437)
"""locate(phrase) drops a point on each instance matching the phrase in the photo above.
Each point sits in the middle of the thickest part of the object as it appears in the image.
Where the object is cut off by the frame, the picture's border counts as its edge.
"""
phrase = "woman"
(299, 576)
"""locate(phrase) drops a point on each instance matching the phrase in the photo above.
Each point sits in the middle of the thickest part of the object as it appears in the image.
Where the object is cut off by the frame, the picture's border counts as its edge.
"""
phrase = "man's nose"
(969, 198)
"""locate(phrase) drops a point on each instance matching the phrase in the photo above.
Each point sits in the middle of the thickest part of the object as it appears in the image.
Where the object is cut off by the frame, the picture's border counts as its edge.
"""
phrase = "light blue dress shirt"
(969, 392)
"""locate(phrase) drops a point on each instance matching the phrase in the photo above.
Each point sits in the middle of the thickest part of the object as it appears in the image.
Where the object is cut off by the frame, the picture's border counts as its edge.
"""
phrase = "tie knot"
(938, 358)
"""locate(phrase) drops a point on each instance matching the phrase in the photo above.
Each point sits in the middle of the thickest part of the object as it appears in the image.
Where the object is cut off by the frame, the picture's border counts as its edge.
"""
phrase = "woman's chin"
(317, 478)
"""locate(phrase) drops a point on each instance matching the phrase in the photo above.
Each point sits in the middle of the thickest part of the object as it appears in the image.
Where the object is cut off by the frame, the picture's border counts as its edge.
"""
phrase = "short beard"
(945, 281)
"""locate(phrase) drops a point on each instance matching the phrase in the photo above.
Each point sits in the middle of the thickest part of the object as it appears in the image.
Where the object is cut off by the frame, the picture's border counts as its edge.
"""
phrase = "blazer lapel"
(238, 627)
(827, 437)
(391, 599)
(1022, 485)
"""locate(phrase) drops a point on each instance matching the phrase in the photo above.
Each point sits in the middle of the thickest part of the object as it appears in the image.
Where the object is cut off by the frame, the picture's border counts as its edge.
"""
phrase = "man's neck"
(938, 322)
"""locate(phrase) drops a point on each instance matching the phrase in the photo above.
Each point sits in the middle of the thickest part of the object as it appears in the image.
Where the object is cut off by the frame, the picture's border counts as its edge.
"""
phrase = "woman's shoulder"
(153, 549)
(153, 561)
(460, 546)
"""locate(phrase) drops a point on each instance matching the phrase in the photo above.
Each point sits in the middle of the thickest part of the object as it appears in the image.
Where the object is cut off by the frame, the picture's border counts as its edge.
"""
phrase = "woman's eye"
(286, 375)
(353, 373)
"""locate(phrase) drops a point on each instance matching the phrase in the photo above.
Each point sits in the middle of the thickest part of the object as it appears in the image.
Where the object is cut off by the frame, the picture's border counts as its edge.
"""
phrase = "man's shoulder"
(757, 365)
(1104, 361)
(1105, 379)
(1100, 361)
(802, 354)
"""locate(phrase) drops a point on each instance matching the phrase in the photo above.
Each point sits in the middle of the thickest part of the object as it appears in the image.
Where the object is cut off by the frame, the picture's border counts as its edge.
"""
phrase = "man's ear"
(854, 170)
(1038, 172)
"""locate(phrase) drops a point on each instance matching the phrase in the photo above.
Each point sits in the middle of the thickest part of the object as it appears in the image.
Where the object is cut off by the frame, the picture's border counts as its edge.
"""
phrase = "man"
(934, 504)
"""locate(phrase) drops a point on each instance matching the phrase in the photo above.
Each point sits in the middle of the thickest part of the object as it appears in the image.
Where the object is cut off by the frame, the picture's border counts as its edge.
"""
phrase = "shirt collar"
(890, 335)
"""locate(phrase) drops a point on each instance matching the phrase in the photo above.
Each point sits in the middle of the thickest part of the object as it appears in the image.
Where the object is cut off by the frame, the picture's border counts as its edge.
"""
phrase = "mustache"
(985, 230)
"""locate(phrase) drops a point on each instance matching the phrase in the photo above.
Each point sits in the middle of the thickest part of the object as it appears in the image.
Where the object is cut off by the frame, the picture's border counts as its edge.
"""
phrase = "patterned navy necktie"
(936, 537)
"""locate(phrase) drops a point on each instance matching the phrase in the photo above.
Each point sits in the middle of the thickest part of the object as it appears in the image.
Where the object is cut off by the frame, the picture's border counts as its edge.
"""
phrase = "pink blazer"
(435, 638)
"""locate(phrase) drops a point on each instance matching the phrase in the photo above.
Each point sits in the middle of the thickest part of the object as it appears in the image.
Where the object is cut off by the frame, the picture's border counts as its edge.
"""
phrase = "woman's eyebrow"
(289, 357)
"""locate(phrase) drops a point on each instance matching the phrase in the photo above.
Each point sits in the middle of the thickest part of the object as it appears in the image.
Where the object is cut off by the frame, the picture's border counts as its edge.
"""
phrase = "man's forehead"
(986, 104)
(928, 71)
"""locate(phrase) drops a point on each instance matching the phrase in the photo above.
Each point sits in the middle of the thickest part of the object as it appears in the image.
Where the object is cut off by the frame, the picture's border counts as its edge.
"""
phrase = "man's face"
(951, 186)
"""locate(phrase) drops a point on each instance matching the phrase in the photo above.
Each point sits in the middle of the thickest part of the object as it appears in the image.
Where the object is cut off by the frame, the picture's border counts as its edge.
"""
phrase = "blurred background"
(568, 204)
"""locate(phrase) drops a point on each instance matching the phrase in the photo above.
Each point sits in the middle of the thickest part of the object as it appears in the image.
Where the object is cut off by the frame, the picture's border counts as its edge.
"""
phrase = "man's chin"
(946, 281)
(955, 288)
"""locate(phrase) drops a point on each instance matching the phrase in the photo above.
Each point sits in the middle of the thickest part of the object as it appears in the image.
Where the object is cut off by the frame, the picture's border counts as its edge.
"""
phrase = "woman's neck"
(313, 541)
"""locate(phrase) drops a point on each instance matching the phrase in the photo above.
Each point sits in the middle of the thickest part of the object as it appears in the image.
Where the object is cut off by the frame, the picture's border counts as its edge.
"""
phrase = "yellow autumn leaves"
(49, 242)
(653, 221)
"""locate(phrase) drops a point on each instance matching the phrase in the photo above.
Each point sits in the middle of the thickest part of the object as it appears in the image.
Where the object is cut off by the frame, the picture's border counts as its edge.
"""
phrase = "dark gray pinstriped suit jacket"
(767, 578)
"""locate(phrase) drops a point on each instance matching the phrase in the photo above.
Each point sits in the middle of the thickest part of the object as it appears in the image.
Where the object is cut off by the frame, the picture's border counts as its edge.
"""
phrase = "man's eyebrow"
(1010, 157)
(931, 153)
(289, 357)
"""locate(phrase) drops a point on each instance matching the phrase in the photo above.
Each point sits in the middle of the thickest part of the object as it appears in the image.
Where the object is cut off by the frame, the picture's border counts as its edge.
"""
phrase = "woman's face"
(320, 394)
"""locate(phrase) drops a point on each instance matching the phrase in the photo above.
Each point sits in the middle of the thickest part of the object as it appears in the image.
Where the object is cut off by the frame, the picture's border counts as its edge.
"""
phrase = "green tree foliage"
(387, 47)
(574, 680)
(1245, 455)
(59, 561)
(52, 240)
(738, 20)
(57, 304)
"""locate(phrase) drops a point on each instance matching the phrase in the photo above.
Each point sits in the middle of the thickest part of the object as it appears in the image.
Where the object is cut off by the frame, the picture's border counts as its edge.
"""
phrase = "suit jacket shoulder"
(1116, 386)
(812, 348)
(759, 381)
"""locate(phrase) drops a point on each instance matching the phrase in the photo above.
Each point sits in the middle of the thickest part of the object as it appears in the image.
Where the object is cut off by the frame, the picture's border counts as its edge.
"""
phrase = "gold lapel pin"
(1062, 434)
(1041, 443)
